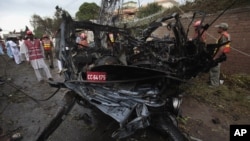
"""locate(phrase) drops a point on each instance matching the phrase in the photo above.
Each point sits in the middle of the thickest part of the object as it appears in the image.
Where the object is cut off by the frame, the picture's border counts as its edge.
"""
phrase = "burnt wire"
(130, 80)
(19, 89)
(4, 108)
(222, 13)
(34, 99)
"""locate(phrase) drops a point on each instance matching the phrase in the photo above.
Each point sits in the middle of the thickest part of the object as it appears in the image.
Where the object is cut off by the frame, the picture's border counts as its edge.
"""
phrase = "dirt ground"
(205, 114)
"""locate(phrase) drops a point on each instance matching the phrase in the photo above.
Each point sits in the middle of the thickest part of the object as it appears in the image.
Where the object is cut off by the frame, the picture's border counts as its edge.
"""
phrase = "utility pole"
(107, 16)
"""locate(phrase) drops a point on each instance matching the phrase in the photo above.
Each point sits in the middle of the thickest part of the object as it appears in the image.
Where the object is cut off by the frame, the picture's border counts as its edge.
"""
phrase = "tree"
(48, 25)
(88, 11)
(45, 25)
(149, 10)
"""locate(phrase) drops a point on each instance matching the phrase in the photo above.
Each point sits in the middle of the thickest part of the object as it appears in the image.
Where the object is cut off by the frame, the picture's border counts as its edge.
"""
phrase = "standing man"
(83, 40)
(1, 53)
(48, 47)
(9, 52)
(13, 44)
(90, 38)
(224, 37)
(199, 30)
(2, 46)
(22, 49)
(35, 56)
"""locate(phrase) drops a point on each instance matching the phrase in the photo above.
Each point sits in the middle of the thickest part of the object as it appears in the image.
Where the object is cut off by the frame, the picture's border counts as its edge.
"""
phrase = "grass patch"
(240, 81)
(233, 94)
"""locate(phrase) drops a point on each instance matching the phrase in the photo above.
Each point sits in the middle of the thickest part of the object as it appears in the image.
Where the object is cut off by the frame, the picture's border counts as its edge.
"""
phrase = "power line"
(248, 55)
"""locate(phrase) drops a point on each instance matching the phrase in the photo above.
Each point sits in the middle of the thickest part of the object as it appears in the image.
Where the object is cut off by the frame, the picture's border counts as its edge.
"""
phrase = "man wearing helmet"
(83, 40)
(198, 31)
(48, 46)
(35, 55)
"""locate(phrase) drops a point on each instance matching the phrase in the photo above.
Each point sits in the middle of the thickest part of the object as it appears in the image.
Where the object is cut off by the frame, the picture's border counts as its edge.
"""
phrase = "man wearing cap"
(48, 45)
(224, 37)
(83, 40)
(35, 56)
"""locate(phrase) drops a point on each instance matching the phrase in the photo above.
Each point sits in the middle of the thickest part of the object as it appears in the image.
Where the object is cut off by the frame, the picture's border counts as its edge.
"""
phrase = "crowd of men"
(36, 50)
(31, 50)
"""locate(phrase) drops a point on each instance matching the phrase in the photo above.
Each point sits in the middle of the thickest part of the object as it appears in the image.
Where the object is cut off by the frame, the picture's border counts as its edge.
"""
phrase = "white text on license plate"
(96, 76)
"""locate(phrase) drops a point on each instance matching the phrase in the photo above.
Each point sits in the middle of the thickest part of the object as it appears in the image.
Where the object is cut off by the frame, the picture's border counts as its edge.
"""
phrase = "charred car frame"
(134, 81)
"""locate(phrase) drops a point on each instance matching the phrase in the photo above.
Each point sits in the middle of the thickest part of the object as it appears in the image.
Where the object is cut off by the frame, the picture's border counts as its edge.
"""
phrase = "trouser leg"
(51, 59)
(22, 57)
(1, 50)
(48, 74)
(46, 55)
(215, 75)
(38, 74)
(59, 65)
(46, 69)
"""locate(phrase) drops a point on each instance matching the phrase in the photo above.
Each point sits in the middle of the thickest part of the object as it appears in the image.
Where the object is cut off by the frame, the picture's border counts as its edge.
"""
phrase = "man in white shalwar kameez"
(23, 49)
(15, 50)
(35, 55)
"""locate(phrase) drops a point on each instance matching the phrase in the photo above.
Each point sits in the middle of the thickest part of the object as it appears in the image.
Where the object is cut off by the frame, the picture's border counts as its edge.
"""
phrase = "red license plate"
(96, 76)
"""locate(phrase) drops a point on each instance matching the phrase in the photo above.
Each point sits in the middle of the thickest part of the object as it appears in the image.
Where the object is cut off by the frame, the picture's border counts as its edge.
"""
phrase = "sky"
(16, 14)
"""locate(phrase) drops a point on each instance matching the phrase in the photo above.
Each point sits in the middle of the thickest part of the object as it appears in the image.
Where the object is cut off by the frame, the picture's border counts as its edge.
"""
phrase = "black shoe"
(41, 81)
(51, 79)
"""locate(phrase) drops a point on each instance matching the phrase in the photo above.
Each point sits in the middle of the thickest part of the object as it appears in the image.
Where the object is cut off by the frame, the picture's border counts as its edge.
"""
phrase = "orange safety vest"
(47, 45)
(227, 46)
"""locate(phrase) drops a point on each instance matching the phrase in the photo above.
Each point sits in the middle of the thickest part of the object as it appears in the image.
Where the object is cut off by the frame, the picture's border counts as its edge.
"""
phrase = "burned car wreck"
(132, 80)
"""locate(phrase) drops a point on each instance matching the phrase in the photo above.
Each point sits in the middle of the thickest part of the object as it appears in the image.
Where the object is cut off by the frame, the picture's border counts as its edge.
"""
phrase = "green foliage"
(48, 25)
(234, 91)
(149, 10)
(88, 11)
(239, 80)
(45, 25)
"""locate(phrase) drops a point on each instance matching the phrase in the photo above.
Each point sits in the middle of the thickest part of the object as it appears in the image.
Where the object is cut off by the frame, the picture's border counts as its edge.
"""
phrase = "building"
(11, 35)
(167, 3)
(129, 5)
(130, 8)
